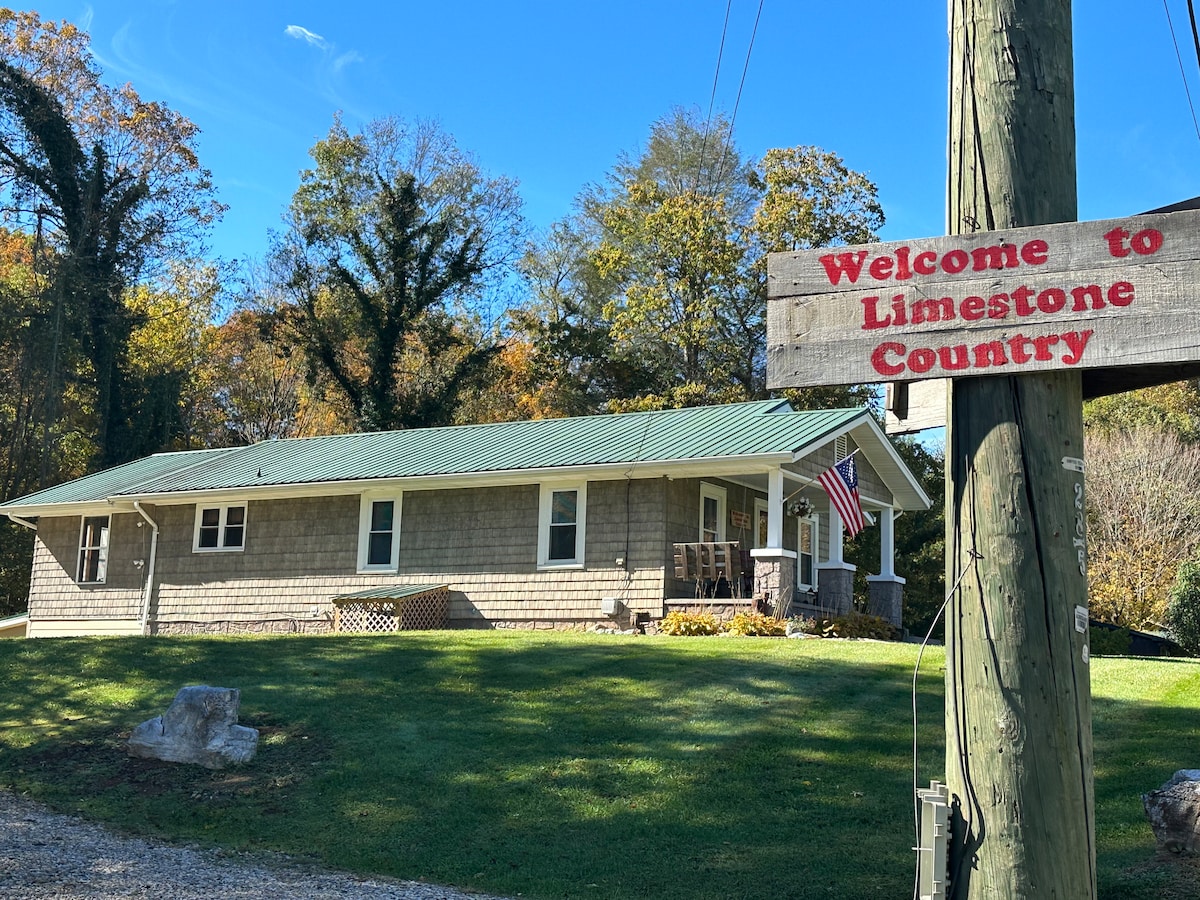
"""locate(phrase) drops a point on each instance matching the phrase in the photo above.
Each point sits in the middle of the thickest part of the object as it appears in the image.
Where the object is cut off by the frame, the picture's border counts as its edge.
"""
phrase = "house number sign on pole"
(1083, 295)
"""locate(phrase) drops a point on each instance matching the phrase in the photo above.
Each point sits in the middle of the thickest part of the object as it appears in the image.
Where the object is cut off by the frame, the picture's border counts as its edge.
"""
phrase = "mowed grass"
(562, 765)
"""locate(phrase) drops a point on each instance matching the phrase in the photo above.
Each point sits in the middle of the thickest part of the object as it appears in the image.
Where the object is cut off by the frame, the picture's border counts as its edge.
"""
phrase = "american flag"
(841, 484)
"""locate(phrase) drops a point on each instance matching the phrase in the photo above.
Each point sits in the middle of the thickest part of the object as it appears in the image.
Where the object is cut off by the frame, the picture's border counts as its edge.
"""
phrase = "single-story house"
(14, 626)
(552, 523)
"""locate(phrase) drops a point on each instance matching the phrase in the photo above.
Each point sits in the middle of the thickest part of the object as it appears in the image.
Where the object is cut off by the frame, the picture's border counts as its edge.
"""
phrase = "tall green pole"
(1018, 707)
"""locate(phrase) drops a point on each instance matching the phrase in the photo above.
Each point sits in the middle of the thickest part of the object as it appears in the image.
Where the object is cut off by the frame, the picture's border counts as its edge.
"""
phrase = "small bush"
(1183, 608)
(1109, 641)
(805, 625)
(689, 624)
(756, 624)
(861, 625)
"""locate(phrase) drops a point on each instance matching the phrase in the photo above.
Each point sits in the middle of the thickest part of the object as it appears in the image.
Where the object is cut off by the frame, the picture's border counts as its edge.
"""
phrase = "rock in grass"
(1174, 812)
(200, 727)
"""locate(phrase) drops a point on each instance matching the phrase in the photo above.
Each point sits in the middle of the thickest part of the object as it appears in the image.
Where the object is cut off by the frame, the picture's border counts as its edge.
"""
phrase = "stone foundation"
(886, 597)
(835, 588)
(774, 580)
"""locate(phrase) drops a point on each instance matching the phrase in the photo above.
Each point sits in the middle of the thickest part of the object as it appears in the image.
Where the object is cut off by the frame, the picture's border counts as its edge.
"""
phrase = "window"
(220, 528)
(806, 552)
(379, 533)
(561, 523)
(712, 512)
(760, 523)
(93, 550)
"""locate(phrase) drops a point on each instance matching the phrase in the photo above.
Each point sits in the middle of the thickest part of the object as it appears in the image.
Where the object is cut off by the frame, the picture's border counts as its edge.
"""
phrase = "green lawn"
(563, 766)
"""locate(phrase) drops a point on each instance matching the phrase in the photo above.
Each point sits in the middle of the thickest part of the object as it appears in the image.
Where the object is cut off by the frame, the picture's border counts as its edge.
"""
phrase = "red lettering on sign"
(892, 358)
(848, 264)
(1144, 243)
(881, 268)
(1120, 294)
(1035, 252)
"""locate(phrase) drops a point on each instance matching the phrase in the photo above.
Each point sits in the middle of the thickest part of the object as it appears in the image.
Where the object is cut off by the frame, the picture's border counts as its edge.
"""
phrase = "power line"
(741, 84)
(1179, 57)
(713, 96)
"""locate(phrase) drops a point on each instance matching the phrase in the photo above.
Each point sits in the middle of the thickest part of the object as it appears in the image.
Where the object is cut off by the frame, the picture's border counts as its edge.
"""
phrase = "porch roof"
(767, 430)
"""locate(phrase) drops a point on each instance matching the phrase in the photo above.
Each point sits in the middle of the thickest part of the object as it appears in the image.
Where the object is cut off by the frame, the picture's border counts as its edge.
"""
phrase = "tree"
(113, 184)
(1143, 496)
(920, 543)
(1183, 609)
(678, 237)
(396, 239)
(1173, 407)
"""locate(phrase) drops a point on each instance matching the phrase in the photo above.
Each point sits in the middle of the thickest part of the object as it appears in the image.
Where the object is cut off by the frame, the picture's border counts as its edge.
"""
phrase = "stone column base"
(774, 580)
(887, 597)
(835, 587)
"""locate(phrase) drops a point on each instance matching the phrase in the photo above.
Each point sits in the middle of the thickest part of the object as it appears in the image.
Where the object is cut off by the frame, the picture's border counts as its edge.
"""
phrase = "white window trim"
(715, 492)
(224, 508)
(815, 522)
(104, 547)
(545, 506)
(760, 507)
(364, 530)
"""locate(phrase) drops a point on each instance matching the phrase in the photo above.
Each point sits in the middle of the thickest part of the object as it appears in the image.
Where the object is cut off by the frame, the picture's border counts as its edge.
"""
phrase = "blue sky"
(550, 93)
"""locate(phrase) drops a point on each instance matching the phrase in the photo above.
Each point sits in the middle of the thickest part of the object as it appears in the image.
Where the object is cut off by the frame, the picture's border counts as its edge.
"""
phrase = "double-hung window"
(806, 552)
(712, 512)
(379, 533)
(220, 528)
(561, 521)
(93, 550)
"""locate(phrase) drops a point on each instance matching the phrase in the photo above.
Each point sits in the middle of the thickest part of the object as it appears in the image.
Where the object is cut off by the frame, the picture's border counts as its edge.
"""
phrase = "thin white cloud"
(303, 34)
(345, 59)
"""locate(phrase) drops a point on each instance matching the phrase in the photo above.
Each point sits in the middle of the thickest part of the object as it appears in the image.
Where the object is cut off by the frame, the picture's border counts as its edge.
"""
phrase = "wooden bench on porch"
(708, 562)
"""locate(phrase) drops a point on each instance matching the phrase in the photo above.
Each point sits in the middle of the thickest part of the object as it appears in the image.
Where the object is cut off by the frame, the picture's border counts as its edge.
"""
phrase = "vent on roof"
(839, 448)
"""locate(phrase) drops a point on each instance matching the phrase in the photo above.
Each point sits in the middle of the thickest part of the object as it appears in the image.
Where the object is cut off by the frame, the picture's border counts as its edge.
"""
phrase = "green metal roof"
(392, 592)
(101, 485)
(767, 427)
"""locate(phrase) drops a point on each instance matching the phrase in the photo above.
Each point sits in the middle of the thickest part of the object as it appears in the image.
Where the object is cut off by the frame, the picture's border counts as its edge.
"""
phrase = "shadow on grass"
(553, 767)
(1146, 725)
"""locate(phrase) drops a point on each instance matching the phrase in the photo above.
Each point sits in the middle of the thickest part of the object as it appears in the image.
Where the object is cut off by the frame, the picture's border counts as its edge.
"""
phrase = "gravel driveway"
(46, 855)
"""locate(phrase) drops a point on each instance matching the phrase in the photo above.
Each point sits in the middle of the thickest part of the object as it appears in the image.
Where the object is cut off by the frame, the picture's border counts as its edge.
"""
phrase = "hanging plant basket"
(800, 508)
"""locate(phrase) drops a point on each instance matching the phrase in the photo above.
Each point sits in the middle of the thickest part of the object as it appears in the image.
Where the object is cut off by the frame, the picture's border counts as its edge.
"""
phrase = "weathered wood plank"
(1112, 293)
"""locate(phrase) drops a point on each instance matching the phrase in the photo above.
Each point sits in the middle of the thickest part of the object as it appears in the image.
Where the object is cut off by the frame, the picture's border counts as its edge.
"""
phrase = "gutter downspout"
(145, 619)
(30, 525)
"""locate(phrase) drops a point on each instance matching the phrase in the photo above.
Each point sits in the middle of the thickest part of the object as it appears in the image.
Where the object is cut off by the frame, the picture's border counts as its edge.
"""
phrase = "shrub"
(861, 625)
(805, 625)
(1109, 641)
(1183, 608)
(756, 624)
(689, 624)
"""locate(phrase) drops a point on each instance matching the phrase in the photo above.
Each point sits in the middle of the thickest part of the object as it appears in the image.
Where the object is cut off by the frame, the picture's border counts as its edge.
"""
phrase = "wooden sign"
(739, 518)
(1120, 292)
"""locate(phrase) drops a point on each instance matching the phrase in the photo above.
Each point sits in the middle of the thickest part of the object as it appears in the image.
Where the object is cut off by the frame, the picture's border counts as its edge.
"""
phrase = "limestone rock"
(200, 727)
(1174, 812)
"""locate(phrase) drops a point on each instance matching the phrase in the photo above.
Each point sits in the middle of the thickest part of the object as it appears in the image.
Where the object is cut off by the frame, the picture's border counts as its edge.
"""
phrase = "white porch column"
(775, 509)
(836, 535)
(774, 567)
(887, 541)
(887, 588)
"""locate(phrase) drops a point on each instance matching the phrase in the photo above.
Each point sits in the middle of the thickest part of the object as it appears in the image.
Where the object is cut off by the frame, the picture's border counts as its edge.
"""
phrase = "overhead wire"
(1179, 57)
(738, 100)
(712, 98)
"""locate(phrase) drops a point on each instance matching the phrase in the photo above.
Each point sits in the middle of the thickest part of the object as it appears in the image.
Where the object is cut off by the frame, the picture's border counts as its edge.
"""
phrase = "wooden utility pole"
(1018, 708)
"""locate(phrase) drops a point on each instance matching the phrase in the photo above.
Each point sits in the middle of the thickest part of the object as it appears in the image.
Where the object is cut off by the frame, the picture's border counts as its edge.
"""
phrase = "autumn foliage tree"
(1143, 498)
(677, 238)
(396, 239)
(111, 184)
